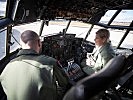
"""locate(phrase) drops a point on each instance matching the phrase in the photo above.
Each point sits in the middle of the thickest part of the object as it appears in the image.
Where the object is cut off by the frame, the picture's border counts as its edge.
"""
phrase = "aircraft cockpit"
(67, 31)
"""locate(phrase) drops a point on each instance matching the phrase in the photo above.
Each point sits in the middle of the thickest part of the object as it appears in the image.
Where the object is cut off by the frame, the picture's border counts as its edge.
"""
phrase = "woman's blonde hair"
(103, 33)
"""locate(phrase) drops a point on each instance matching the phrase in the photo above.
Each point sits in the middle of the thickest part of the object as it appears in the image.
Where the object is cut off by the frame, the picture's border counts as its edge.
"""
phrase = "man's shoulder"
(43, 59)
(37, 64)
(30, 63)
(106, 49)
(46, 60)
(107, 52)
(46, 57)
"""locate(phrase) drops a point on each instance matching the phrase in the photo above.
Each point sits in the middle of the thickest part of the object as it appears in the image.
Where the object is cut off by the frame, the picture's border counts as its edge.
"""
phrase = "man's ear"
(39, 43)
(104, 40)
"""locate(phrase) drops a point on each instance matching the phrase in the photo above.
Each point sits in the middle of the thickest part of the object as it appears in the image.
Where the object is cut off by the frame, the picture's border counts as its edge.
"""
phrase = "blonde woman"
(102, 53)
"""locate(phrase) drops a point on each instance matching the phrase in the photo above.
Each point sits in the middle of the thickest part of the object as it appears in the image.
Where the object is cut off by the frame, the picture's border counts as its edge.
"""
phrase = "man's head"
(102, 37)
(30, 40)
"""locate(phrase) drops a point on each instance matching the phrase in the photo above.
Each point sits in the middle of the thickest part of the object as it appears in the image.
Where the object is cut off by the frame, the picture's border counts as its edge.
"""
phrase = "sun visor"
(26, 12)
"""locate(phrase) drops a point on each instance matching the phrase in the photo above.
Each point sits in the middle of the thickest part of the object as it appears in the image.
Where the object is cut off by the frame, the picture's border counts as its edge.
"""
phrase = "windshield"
(54, 27)
(76, 27)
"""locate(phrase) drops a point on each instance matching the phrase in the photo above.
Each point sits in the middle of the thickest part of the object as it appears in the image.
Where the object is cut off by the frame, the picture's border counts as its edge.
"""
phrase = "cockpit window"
(128, 41)
(108, 15)
(78, 28)
(3, 8)
(2, 43)
(124, 18)
(57, 26)
(54, 27)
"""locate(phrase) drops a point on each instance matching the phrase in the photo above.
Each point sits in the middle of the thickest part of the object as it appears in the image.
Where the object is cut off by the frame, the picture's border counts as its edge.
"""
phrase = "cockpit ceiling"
(72, 9)
(79, 8)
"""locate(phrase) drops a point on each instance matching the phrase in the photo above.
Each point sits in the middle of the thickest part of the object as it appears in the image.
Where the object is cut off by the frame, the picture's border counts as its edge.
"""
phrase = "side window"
(2, 43)
(15, 39)
(128, 42)
(3, 8)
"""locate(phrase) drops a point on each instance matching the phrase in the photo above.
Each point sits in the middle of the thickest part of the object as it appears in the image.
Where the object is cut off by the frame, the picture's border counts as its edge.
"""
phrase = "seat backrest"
(97, 82)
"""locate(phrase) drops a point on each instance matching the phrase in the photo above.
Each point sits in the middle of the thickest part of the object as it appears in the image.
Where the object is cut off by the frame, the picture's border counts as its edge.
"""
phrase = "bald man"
(31, 76)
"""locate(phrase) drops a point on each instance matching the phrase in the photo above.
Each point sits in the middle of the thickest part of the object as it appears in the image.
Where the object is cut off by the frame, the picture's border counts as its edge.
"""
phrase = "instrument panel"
(63, 47)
